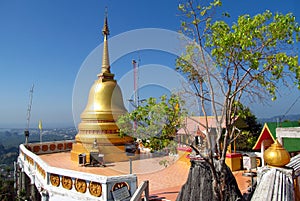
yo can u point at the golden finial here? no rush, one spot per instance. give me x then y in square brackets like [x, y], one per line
[276, 155]
[105, 56]
[105, 29]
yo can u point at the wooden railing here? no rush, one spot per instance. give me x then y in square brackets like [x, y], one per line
[143, 187]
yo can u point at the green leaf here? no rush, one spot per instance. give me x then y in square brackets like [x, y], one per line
[203, 12]
[217, 3]
[181, 7]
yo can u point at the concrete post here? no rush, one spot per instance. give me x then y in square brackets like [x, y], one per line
[262, 149]
[19, 187]
[23, 180]
[105, 192]
[32, 192]
[280, 140]
[32, 189]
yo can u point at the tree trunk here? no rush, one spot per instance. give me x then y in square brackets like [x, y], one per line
[199, 184]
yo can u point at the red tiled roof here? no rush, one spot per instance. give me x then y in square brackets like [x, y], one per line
[197, 122]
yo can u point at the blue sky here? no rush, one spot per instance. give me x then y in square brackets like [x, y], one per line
[46, 42]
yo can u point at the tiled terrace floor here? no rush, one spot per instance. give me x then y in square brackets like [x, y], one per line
[165, 183]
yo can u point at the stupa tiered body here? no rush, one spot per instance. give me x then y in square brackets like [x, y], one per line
[98, 132]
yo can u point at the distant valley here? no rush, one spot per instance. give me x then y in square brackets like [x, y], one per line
[12, 138]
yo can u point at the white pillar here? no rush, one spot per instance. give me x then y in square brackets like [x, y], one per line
[32, 188]
[262, 149]
[105, 192]
[23, 178]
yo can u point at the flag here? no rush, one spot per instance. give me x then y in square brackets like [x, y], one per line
[40, 125]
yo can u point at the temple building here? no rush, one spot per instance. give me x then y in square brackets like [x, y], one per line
[287, 133]
[279, 180]
[75, 170]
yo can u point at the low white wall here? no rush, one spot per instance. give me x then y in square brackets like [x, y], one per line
[39, 173]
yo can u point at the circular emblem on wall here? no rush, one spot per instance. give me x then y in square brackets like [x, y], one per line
[80, 185]
[67, 182]
[120, 185]
[45, 147]
[95, 189]
[52, 147]
[54, 180]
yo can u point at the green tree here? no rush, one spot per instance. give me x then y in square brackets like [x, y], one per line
[249, 134]
[6, 189]
[227, 63]
[155, 121]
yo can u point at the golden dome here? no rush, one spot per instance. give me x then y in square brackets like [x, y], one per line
[105, 99]
[276, 155]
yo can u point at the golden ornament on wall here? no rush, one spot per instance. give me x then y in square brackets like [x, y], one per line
[276, 155]
[80, 185]
[95, 189]
[54, 180]
[120, 185]
[40, 170]
[67, 182]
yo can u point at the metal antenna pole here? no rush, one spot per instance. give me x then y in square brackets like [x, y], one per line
[135, 82]
[26, 132]
[135, 89]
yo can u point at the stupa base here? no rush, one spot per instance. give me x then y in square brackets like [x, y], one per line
[111, 153]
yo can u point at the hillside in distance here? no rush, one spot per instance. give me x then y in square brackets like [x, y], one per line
[280, 118]
[12, 138]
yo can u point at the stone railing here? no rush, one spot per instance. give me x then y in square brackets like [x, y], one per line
[61, 184]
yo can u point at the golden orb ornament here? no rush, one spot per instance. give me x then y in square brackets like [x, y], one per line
[276, 155]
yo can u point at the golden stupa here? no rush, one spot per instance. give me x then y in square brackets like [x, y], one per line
[276, 155]
[98, 132]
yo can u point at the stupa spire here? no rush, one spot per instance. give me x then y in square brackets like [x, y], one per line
[105, 56]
